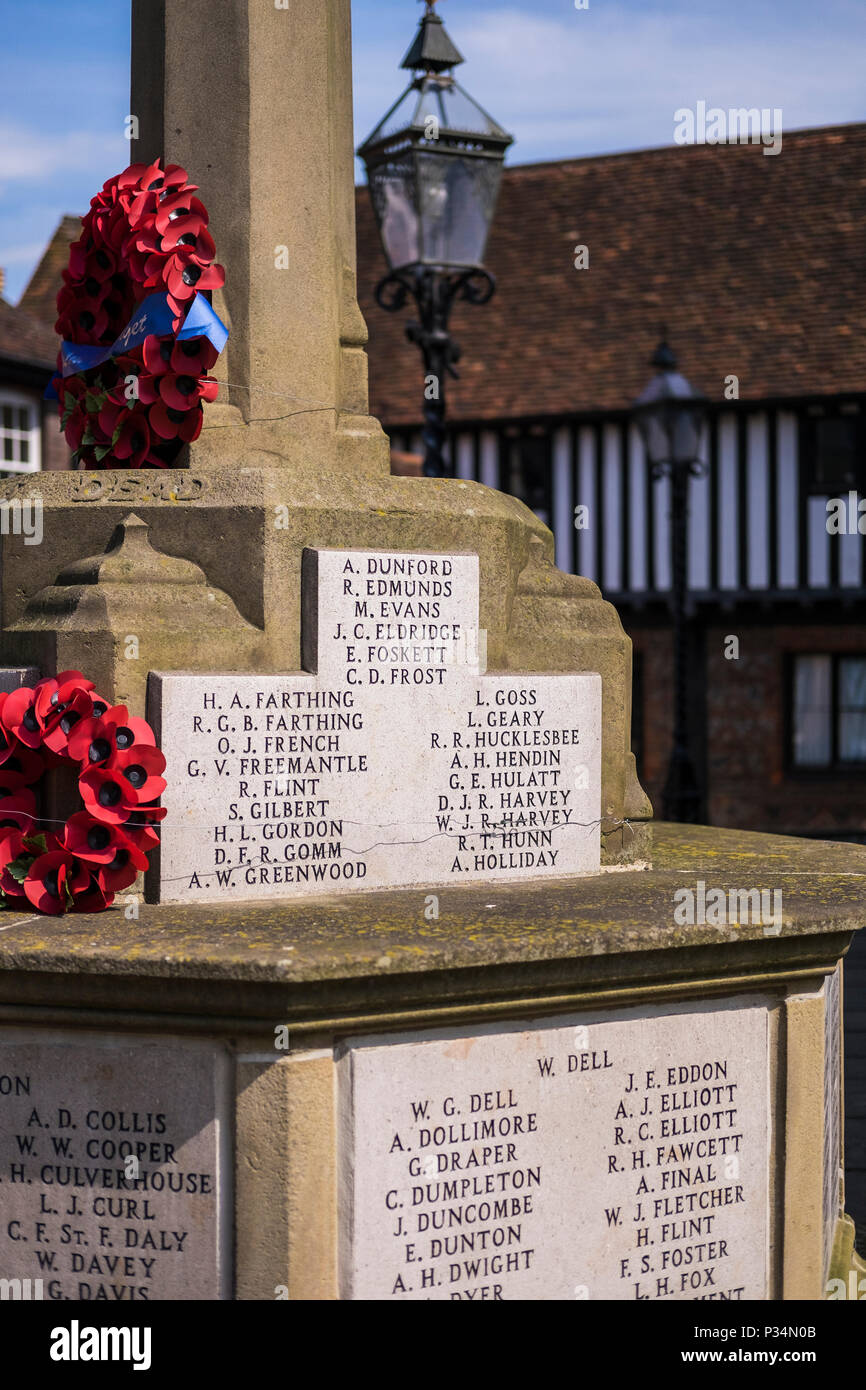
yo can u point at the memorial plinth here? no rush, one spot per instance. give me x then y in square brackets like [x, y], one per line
[529, 1090]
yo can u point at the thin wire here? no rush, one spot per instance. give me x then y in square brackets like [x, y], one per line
[497, 828]
[386, 844]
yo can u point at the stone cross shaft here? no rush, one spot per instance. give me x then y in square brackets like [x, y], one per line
[254, 99]
[393, 760]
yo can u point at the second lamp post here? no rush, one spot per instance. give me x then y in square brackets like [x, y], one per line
[670, 415]
[433, 169]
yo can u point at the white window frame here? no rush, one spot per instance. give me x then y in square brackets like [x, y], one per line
[33, 435]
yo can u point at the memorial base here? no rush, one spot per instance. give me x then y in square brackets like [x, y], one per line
[584, 1089]
[140, 573]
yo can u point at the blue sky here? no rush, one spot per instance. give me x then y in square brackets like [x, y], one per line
[563, 81]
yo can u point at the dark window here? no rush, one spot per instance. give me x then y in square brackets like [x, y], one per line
[833, 452]
[828, 711]
[19, 435]
[528, 473]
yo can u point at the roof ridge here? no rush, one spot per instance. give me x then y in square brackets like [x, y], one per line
[645, 150]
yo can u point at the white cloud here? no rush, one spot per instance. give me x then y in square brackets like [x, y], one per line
[33, 155]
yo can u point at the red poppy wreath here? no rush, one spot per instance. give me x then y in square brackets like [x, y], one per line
[63, 721]
[139, 337]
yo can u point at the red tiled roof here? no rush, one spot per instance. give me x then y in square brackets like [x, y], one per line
[24, 339]
[39, 298]
[756, 263]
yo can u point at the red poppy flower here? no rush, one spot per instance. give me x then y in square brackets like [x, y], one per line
[76, 426]
[67, 297]
[139, 827]
[93, 841]
[95, 289]
[178, 204]
[143, 241]
[141, 766]
[108, 226]
[108, 417]
[21, 768]
[113, 731]
[144, 837]
[63, 720]
[134, 441]
[18, 716]
[193, 356]
[135, 262]
[123, 869]
[100, 265]
[184, 278]
[74, 385]
[77, 259]
[53, 692]
[155, 186]
[8, 740]
[18, 811]
[157, 354]
[176, 177]
[12, 846]
[130, 178]
[93, 898]
[176, 424]
[181, 390]
[108, 795]
[148, 388]
[190, 236]
[50, 876]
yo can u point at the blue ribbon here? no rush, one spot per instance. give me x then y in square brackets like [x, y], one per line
[153, 316]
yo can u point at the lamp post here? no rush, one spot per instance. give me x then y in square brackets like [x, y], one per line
[670, 415]
[433, 165]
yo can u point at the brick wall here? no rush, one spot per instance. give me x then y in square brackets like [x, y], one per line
[55, 452]
[746, 702]
[744, 757]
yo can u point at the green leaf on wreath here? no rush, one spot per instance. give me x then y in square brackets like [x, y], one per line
[101, 450]
[92, 403]
[20, 867]
[89, 437]
[38, 841]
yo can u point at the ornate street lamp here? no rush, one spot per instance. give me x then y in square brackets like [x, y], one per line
[433, 167]
[670, 414]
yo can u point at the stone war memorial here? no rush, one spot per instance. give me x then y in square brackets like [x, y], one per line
[414, 1002]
